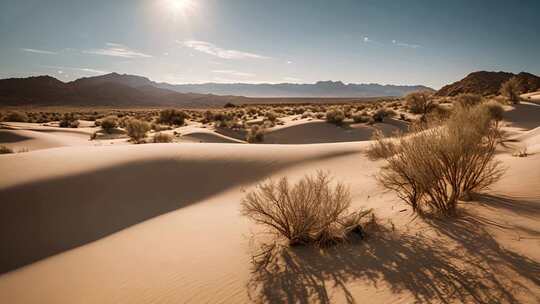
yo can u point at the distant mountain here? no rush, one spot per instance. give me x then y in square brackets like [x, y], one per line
[107, 90]
[319, 89]
[489, 83]
[130, 90]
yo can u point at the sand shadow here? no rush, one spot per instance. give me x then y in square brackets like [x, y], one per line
[465, 265]
[524, 115]
[7, 137]
[515, 205]
[49, 216]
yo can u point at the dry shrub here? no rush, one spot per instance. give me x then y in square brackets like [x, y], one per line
[312, 211]
[511, 89]
[255, 134]
[495, 109]
[360, 117]
[420, 102]
[382, 113]
[69, 120]
[435, 167]
[162, 138]
[109, 123]
[16, 116]
[137, 129]
[335, 116]
[172, 117]
[5, 150]
[468, 99]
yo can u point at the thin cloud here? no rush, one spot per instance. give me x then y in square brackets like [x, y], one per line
[36, 51]
[407, 45]
[86, 70]
[117, 50]
[214, 50]
[233, 73]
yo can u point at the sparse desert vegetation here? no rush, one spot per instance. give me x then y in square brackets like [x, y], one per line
[312, 211]
[5, 150]
[437, 166]
[137, 129]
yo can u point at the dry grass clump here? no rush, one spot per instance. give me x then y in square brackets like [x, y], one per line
[69, 120]
[162, 138]
[382, 113]
[335, 116]
[108, 124]
[5, 150]
[435, 167]
[137, 129]
[420, 102]
[468, 99]
[312, 211]
[511, 90]
[495, 110]
[16, 116]
[172, 117]
[255, 134]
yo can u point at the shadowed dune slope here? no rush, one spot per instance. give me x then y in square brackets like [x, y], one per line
[323, 132]
[76, 197]
[525, 115]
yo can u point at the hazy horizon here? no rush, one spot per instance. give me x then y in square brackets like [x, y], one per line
[428, 43]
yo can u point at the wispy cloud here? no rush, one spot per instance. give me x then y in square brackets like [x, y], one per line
[233, 73]
[407, 45]
[36, 51]
[214, 50]
[85, 70]
[117, 50]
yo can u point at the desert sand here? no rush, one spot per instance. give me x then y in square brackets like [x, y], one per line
[108, 222]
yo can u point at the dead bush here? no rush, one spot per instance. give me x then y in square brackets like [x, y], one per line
[16, 116]
[468, 99]
[360, 117]
[172, 117]
[137, 129]
[511, 90]
[109, 123]
[335, 116]
[162, 138]
[435, 167]
[255, 134]
[381, 114]
[312, 211]
[420, 103]
[69, 120]
[5, 150]
[495, 109]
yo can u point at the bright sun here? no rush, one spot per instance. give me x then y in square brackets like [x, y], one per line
[180, 6]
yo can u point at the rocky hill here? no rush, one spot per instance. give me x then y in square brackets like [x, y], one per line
[489, 83]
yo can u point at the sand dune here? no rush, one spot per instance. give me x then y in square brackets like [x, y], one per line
[323, 132]
[209, 137]
[160, 223]
[188, 237]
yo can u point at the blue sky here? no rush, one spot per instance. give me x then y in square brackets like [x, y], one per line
[192, 41]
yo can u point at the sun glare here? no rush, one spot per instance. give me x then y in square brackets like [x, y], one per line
[180, 6]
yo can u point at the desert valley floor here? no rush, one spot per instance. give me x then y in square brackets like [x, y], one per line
[110, 222]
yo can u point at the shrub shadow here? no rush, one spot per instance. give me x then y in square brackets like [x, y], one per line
[465, 265]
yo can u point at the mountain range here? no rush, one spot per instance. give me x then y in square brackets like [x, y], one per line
[130, 90]
[319, 89]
